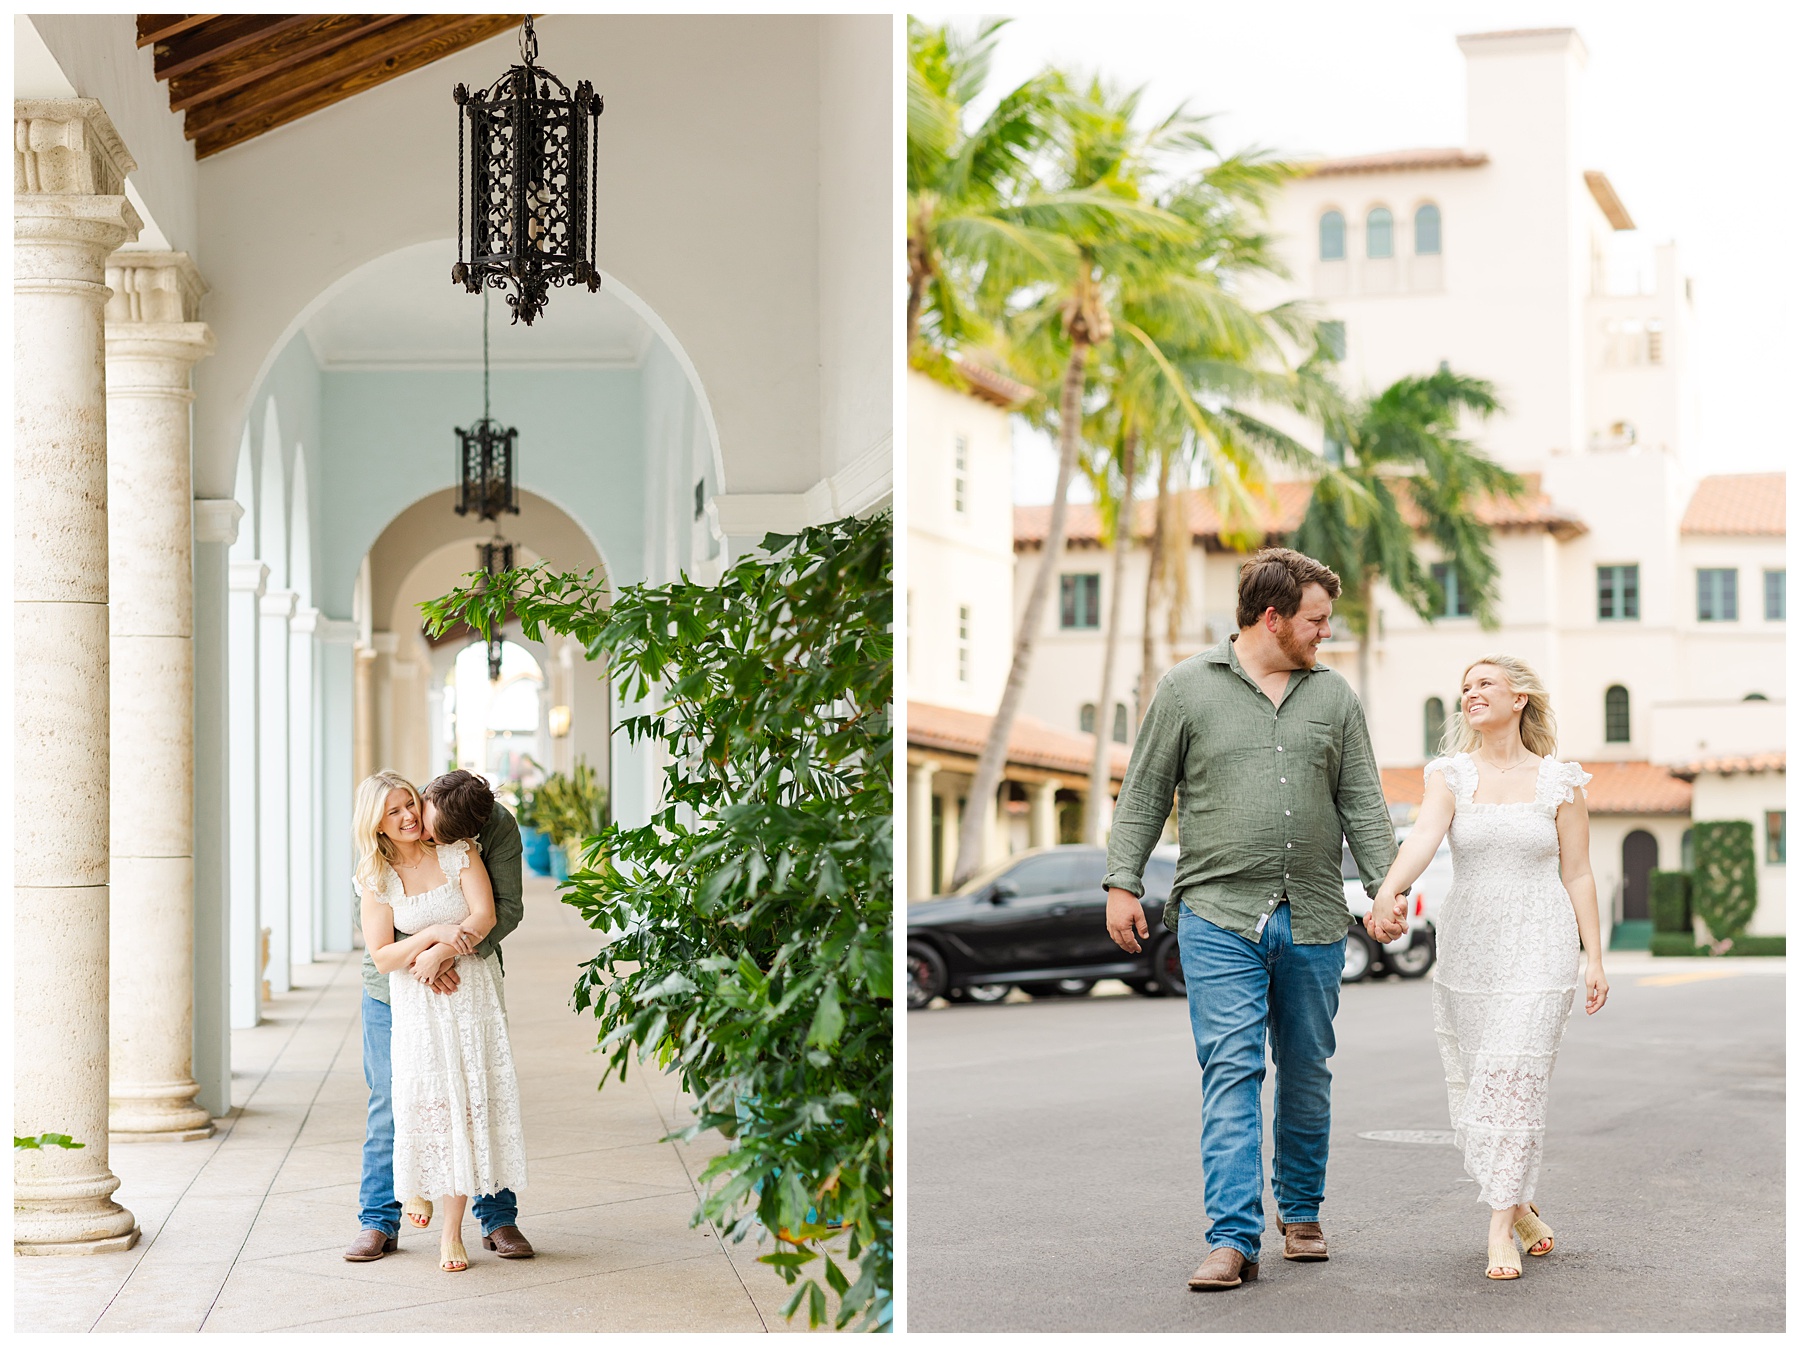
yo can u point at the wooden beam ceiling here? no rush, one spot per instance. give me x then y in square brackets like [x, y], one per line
[236, 76]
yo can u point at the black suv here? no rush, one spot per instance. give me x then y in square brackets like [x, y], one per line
[1037, 920]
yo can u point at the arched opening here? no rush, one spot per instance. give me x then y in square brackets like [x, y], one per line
[1618, 715]
[1378, 233]
[1428, 231]
[1638, 857]
[1331, 236]
[1434, 726]
[492, 726]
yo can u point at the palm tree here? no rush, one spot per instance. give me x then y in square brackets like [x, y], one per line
[1402, 446]
[959, 235]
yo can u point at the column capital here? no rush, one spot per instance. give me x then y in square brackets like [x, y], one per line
[336, 631]
[385, 642]
[278, 603]
[216, 521]
[305, 621]
[67, 147]
[249, 577]
[153, 286]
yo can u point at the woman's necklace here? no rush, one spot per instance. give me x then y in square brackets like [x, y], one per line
[1525, 762]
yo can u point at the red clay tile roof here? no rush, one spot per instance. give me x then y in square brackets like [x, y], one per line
[1392, 161]
[1033, 744]
[1754, 762]
[992, 386]
[1282, 515]
[1743, 503]
[1617, 788]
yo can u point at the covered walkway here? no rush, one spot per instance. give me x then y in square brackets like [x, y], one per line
[245, 1231]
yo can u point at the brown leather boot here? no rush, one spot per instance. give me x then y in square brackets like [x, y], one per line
[508, 1242]
[370, 1245]
[1223, 1269]
[1305, 1242]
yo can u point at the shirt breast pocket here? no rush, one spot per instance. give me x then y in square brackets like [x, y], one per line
[1321, 745]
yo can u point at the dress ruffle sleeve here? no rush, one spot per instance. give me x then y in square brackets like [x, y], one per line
[1572, 779]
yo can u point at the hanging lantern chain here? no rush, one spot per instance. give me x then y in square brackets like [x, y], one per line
[485, 404]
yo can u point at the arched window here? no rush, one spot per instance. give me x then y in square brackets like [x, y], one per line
[1428, 231]
[1434, 725]
[1618, 715]
[1755, 697]
[1331, 236]
[1380, 232]
[1120, 725]
[1087, 717]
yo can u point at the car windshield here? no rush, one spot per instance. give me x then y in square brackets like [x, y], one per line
[982, 878]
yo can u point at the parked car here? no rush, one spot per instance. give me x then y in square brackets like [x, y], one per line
[1037, 921]
[1413, 953]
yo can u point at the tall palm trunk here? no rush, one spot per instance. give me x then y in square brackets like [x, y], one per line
[993, 753]
[1153, 583]
[918, 269]
[1365, 658]
[1099, 777]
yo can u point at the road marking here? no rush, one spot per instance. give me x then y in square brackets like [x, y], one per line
[1412, 1138]
[1698, 975]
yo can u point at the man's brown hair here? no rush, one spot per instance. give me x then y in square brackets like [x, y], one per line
[463, 803]
[1273, 578]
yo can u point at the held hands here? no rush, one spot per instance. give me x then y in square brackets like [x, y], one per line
[1596, 986]
[1125, 920]
[1391, 927]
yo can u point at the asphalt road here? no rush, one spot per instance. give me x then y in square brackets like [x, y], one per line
[1054, 1184]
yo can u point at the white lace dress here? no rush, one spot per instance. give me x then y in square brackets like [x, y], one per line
[456, 1095]
[1507, 972]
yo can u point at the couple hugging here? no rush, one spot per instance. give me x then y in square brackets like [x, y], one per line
[1271, 756]
[441, 886]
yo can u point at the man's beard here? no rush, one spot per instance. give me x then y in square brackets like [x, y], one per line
[1303, 654]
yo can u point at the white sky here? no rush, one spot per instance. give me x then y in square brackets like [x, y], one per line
[1688, 110]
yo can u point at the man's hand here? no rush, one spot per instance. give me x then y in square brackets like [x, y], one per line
[446, 980]
[1125, 920]
[426, 965]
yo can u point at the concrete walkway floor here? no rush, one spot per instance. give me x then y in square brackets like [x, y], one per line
[245, 1231]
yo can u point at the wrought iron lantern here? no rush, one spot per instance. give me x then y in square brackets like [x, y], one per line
[528, 185]
[485, 454]
[496, 556]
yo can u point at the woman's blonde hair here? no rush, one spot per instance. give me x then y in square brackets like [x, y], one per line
[1537, 722]
[375, 853]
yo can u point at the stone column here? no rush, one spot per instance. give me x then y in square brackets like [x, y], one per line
[152, 344]
[275, 611]
[918, 831]
[387, 645]
[69, 214]
[952, 825]
[1043, 812]
[364, 729]
[337, 780]
[248, 580]
[215, 529]
[303, 939]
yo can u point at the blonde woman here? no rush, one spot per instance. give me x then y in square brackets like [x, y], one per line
[1519, 913]
[455, 1093]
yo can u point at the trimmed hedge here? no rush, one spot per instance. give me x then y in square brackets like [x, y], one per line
[1724, 876]
[1744, 946]
[1671, 893]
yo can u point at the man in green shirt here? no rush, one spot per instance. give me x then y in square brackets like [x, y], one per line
[1271, 757]
[457, 805]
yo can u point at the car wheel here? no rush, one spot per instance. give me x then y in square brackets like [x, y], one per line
[1359, 956]
[1165, 967]
[926, 976]
[1060, 987]
[1416, 959]
[987, 993]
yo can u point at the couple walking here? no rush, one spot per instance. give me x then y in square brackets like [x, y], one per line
[440, 882]
[1271, 757]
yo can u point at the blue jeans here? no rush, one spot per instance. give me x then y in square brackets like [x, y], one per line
[1238, 991]
[380, 1207]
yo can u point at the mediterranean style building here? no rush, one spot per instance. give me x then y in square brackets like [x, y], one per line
[216, 577]
[1649, 594]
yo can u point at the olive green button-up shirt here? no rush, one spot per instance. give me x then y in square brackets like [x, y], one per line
[502, 852]
[1267, 795]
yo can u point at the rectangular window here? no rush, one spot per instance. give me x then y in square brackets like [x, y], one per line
[962, 643]
[1775, 827]
[960, 481]
[1081, 602]
[1456, 603]
[1775, 596]
[1618, 593]
[1717, 595]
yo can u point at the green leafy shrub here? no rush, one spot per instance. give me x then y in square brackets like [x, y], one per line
[1744, 946]
[752, 919]
[1669, 898]
[1724, 886]
[570, 808]
[37, 1143]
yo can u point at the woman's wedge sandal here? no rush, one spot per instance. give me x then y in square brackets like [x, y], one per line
[417, 1212]
[453, 1257]
[1503, 1261]
[1532, 1232]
